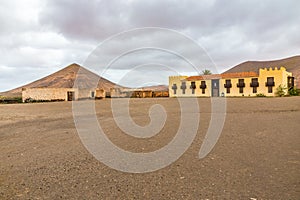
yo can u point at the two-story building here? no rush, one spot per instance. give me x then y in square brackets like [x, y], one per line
[231, 84]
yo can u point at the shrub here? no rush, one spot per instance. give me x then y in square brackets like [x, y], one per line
[293, 92]
[7, 100]
[280, 91]
[260, 95]
[31, 100]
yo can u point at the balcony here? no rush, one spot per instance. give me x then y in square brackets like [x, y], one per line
[193, 87]
[202, 86]
[227, 85]
[254, 84]
[270, 84]
[240, 85]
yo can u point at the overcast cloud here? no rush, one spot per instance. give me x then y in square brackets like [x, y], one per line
[39, 37]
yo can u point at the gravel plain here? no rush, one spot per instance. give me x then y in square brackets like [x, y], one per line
[256, 157]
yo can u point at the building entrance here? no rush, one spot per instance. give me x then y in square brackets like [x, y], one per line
[215, 87]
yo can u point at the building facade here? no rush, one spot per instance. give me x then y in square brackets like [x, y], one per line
[136, 93]
[72, 94]
[231, 84]
[60, 94]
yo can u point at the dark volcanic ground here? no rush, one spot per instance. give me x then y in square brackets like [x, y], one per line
[257, 155]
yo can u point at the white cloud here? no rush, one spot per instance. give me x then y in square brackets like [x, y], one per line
[38, 37]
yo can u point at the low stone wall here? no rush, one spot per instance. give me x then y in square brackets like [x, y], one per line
[48, 94]
[60, 94]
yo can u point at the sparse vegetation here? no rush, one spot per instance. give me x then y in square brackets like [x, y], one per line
[30, 100]
[261, 95]
[293, 92]
[281, 91]
[9, 100]
[206, 72]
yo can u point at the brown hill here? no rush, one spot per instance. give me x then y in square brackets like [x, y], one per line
[65, 78]
[292, 64]
[156, 88]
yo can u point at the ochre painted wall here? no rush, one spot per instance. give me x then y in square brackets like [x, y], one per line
[280, 78]
[234, 90]
[176, 80]
[188, 92]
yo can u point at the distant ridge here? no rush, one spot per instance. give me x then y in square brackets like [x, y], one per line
[156, 88]
[64, 78]
[292, 64]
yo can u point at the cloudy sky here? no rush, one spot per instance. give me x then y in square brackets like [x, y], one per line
[39, 37]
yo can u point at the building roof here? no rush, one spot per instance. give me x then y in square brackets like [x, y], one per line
[203, 77]
[219, 76]
[239, 75]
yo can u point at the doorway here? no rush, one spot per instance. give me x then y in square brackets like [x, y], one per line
[215, 87]
[71, 96]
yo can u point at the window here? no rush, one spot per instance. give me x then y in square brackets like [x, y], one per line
[241, 85]
[183, 87]
[193, 87]
[291, 82]
[270, 81]
[270, 89]
[174, 88]
[254, 84]
[203, 87]
[227, 90]
[228, 85]
[270, 84]
[93, 94]
[241, 90]
[71, 95]
[254, 89]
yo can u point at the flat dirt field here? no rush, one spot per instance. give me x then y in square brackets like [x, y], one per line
[256, 157]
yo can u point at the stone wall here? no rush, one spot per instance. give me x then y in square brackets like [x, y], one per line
[54, 94]
[48, 94]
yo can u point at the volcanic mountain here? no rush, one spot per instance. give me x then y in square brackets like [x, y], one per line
[292, 64]
[65, 78]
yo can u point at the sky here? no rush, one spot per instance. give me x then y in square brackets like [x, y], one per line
[113, 38]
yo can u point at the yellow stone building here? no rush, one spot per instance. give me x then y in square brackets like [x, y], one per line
[231, 84]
